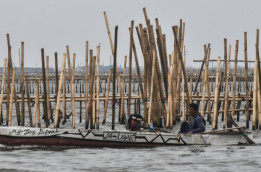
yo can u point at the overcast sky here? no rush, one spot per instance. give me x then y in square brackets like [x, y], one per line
[53, 24]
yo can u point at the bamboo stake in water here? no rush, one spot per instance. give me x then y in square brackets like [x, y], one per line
[45, 92]
[2, 90]
[254, 116]
[59, 93]
[64, 98]
[107, 97]
[72, 92]
[86, 84]
[122, 94]
[215, 116]
[204, 83]
[48, 89]
[98, 87]
[22, 84]
[28, 101]
[11, 98]
[9, 70]
[226, 119]
[130, 69]
[37, 103]
[234, 80]
[152, 85]
[246, 80]
[114, 76]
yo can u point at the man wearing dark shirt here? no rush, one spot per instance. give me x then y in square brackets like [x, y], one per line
[197, 123]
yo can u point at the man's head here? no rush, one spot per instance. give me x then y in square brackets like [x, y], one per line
[193, 109]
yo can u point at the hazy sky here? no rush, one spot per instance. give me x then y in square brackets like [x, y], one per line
[53, 24]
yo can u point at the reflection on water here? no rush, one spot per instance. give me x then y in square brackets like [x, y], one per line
[192, 158]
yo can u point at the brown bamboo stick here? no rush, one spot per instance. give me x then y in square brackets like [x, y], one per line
[258, 99]
[9, 70]
[11, 98]
[37, 103]
[234, 79]
[226, 119]
[107, 97]
[44, 86]
[246, 80]
[86, 84]
[2, 90]
[64, 98]
[48, 90]
[122, 94]
[22, 84]
[215, 115]
[204, 83]
[98, 88]
[72, 92]
[169, 100]
[59, 92]
[254, 116]
[152, 86]
[183, 91]
[28, 101]
[90, 102]
[130, 69]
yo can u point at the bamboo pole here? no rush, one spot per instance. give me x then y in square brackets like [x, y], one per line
[72, 92]
[98, 88]
[227, 120]
[183, 95]
[254, 116]
[59, 92]
[9, 70]
[114, 76]
[174, 96]
[22, 85]
[169, 121]
[92, 73]
[246, 80]
[28, 101]
[215, 115]
[86, 84]
[204, 83]
[48, 103]
[130, 69]
[122, 94]
[64, 98]
[11, 98]
[169, 107]
[234, 79]
[56, 73]
[45, 92]
[2, 91]
[152, 86]
[37, 103]
[258, 99]
[107, 97]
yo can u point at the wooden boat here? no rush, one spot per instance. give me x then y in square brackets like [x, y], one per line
[14, 136]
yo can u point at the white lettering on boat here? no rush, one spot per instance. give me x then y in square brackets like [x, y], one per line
[117, 136]
[29, 132]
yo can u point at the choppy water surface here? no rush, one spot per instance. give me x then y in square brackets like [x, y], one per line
[188, 158]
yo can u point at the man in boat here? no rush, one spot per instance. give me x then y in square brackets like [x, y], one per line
[135, 122]
[197, 123]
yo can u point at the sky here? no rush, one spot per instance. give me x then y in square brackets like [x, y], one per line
[53, 24]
